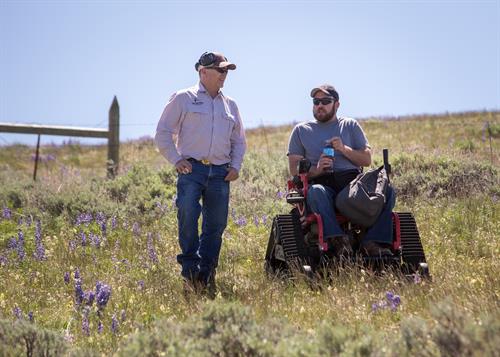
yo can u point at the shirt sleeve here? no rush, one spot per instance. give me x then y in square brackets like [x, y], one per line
[295, 146]
[359, 139]
[168, 126]
[238, 140]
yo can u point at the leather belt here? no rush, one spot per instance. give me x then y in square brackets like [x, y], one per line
[204, 161]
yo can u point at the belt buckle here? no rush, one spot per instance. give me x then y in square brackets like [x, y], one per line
[205, 162]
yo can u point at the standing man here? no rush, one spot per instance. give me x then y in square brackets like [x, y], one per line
[352, 152]
[207, 154]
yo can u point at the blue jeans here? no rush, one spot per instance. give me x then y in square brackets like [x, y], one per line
[200, 253]
[321, 199]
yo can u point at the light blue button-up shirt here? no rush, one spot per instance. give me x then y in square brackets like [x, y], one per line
[196, 125]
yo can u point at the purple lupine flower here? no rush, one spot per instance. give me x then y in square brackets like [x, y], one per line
[89, 297]
[85, 322]
[242, 221]
[395, 302]
[83, 238]
[29, 220]
[114, 222]
[103, 292]
[6, 213]
[103, 228]
[140, 283]
[101, 220]
[392, 301]
[79, 294]
[136, 229]
[280, 194]
[18, 313]
[100, 217]
[264, 219]
[87, 219]
[31, 317]
[114, 324]
[417, 279]
[20, 245]
[95, 240]
[83, 218]
[151, 249]
[20, 221]
[66, 277]
[12, 243]
[98, 286]
[256, 221]
[100, 327]
[39, 250]
[72, 245]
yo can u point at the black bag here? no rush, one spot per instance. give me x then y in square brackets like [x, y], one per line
[336, 180]
[363, 199]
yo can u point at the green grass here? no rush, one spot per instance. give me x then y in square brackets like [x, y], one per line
[444, 172]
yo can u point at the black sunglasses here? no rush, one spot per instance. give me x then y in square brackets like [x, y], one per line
[324, 101]
[219, 69]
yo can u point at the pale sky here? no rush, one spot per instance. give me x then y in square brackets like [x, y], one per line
[61, 62]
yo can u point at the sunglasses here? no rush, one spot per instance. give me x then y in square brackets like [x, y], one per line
[323, 101]
[218, 69]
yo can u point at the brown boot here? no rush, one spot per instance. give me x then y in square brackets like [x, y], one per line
[341, 245]
[192, 285]
[211, 287]
[375, 249]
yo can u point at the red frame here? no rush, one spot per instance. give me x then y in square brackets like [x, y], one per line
[396, 244]
[314, 217]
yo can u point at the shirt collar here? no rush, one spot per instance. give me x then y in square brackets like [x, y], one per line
[201, 89]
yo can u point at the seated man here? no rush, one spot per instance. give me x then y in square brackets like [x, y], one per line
[351, 153]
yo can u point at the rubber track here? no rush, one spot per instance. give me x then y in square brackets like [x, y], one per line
[291, 236]
[412, 250]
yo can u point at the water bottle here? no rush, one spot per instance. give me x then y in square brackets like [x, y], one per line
[330, 152]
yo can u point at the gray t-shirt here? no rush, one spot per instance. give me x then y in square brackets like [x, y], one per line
[308, 139]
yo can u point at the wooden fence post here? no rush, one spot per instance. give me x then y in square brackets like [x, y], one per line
[36, 157]
[113, 138]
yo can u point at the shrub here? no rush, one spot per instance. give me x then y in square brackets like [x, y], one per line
[439, 177]
[25, 338]
[453, 334]
[224, 329]
[466, 145]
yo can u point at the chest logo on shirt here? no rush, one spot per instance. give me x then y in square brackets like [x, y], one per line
[197, 102]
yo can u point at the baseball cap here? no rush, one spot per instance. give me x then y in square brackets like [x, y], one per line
[328, 89]
[213, 59]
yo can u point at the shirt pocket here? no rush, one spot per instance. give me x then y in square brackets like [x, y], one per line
[228, 123]
[196, 118]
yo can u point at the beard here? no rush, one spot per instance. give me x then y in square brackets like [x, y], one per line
[322, 115]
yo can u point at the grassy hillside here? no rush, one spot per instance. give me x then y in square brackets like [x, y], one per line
[123, 234]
